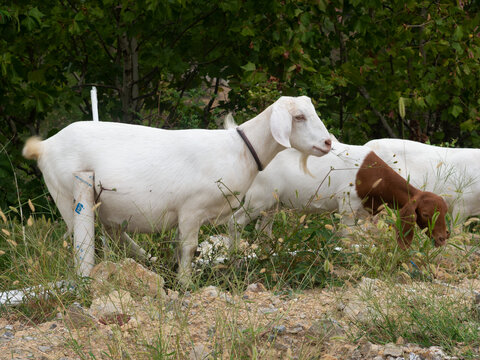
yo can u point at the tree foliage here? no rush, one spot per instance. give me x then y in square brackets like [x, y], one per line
[373, 68]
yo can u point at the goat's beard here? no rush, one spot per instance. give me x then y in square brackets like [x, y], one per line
[303, 164]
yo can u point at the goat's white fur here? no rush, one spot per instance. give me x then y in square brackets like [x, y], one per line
[154, 179]
[453, 173]
[330, 188]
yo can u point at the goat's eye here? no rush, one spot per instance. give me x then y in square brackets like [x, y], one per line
[300, 117]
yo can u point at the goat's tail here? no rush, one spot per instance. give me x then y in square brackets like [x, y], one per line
[33, 148]
[228, 122]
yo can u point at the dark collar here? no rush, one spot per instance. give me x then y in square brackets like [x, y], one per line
[250, 147]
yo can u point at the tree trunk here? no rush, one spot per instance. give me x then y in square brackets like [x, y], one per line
[129, 92]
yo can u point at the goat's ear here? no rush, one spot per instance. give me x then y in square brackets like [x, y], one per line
[281, 124]
[408, 218]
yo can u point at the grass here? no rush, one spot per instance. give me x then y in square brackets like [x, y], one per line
[428, 316]
[304, 253]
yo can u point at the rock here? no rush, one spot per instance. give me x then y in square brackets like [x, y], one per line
[211, 331]
[435, 353]
[45, 348]
[392, 350]
[280, 346]
[328, 357]
[256, 288]
[142, 281]
[118, 319]
[199, 352]
[295, 330]
[356, 310]
[8, 335]
[76, 316]
[477, 298]
[279, 329]
[212, 291]
[102, 276]
[413, 356]
[114, 304]
[267, 310]
[172, 295]
[324, 329]
[368, 349]
[128, 275]
[131, 324]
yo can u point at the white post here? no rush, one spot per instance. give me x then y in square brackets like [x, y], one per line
[83, 221]
[93, 96]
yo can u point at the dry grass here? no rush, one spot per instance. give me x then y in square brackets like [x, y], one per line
[307, 274]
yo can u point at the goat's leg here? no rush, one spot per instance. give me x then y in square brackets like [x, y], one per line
[237, 222]
[349, 215]
[64, 205]
[188, 227]
[265, 224]
[133, 249]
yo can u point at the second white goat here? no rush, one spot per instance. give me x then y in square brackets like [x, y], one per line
[351, 180]
[453, 173]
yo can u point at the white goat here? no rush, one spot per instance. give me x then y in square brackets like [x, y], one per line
[351, 180]
[166, 177]
[453, 173]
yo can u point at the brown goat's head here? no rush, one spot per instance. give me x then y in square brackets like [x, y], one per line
[421, 209]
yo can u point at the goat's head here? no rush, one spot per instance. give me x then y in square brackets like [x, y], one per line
[295, 123]
[428, 210]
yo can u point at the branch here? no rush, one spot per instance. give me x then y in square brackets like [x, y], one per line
[151, 93]
[384, 122]
[188, 78]
[199, 19]
[148, 77]
[206, 109]
[104, 45]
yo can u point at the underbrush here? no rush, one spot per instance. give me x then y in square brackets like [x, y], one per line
[304, 251]
[422, 314]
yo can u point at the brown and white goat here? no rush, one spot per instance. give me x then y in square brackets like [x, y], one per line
[351, 180]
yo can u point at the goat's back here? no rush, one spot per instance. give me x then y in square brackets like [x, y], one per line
[333, 178]
[145, 171]
[449, 172]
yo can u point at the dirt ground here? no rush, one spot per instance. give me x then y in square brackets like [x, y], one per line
[209, 324]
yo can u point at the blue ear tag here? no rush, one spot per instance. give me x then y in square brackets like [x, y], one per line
[79, 208]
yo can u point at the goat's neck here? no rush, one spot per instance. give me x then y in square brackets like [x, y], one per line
[258, 132]
[405, 194]
[392, 188]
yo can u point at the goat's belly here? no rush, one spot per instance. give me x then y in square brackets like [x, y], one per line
[320, 205]
[135, 218]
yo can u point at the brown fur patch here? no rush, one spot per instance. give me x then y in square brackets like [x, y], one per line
[377, 183]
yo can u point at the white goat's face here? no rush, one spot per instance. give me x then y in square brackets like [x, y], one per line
[295, 123]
